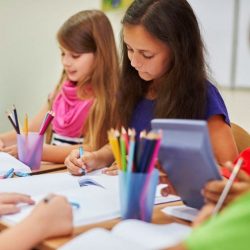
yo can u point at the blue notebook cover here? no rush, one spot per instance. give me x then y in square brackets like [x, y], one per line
[187, 157]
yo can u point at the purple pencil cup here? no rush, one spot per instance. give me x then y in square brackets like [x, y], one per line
[30, 148]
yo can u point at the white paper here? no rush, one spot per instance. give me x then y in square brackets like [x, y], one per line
[96, 205]
[132, 235]
[39, 184]
[182, 212]
[7, 161]
[97, 202]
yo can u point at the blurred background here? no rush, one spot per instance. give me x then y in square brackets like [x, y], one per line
[30, 59]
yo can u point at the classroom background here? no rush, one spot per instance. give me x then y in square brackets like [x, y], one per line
[30, 64]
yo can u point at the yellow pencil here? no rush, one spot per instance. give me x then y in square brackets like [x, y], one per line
[113, 141]
[25, 125]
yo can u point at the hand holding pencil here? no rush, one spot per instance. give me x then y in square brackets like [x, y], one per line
[213, 189]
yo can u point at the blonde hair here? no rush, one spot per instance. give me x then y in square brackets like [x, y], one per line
[85, 32]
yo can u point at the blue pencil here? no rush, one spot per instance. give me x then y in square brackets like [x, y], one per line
[81, 152]
[75, 204]
[9, 173]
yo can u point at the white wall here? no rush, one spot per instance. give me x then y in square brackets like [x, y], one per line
[29, 56]
[243, 52]
[216, 24]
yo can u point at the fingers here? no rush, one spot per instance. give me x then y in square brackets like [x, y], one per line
[165, 191]
[213, 190]
[107, 171]
[215, 186]
[74, 163]
[8, 209]
[241, 176]
[14, 198]
[112, 170]
[8, 202]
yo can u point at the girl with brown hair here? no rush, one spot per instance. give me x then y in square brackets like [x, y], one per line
[83, 100]
[164, 75]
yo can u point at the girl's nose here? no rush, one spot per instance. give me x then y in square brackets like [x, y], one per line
[136, 61]
[66, 60]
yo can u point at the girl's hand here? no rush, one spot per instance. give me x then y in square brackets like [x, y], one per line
[163, 179]
[74, 163]
[213, 189]
[112, 170]
[12, 150]
[9, 201]
[87, 163]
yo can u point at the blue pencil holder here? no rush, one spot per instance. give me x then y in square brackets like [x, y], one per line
[137, 194]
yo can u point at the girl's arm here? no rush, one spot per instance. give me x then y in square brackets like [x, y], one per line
[49, 219]
[9, 138]
[57, 154]
[222, 140]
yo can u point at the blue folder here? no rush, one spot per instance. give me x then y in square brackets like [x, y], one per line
[187, 157]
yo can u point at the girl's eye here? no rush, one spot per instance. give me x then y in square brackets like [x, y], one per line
[148, 57]
[129, 49]
[75, 56]
[62, 54]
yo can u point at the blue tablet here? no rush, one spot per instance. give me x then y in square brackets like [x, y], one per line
[187, 157]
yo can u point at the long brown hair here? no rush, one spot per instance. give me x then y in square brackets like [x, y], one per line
[85, 32]
[182, 90]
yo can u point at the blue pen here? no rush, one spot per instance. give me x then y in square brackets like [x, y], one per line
[9, 173]
[75, 204]
[21, 174]
[81, 152]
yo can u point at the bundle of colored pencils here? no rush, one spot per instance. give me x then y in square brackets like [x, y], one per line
[135, 155]
[14, 121]
[46, 122]
[13, 118]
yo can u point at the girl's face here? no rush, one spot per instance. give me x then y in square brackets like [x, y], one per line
[147, 54]
[78, 67]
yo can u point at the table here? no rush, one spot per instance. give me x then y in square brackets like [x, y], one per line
[47, 167]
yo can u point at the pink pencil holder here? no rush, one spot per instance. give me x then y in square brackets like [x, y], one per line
[30, 148]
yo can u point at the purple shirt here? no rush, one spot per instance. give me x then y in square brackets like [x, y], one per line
[144, 111]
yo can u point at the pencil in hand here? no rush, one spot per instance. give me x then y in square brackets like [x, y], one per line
[227, 186]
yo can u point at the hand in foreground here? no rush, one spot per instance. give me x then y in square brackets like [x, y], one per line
[53, 216]
[204, 214]
[9, 202]
[213, 189]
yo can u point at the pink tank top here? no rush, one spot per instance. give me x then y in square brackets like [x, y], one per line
[70, 112]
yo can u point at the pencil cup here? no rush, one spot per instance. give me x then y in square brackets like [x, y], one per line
[137, 194]
[30, 148]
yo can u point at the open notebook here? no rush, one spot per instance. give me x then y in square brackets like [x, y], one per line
[98, 195]
[130, 234]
